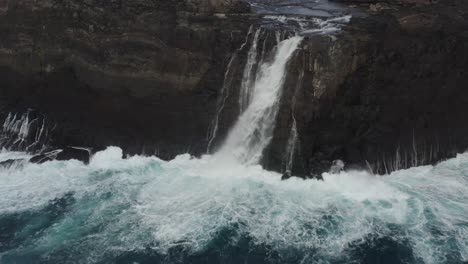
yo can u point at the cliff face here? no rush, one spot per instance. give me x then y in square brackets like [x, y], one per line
[386, 93]
[139, 74]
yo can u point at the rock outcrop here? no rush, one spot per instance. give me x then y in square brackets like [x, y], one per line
[389, 93]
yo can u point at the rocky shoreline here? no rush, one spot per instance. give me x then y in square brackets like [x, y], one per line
[385, 94]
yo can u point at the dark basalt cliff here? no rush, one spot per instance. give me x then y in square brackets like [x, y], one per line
[388, 92]
[143, 74]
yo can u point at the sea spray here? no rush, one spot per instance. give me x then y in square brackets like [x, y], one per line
[26, 132]
[126, 210]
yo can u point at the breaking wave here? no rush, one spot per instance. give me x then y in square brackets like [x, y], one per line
[145, 210]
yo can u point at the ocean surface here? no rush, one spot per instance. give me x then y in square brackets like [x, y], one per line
[212, 210]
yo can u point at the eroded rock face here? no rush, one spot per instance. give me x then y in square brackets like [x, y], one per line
[4, 6]
[143, 74]
[389, 93]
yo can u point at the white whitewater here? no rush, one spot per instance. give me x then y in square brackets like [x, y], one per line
[124, 205]
[221, 103]
[254, 128]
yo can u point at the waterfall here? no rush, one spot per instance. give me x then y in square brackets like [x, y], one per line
[23, 132]
[249, 75]
[260, 91]
[254, 128]
[292, 144]
[228, 78]
[291, 148]
[224, 96]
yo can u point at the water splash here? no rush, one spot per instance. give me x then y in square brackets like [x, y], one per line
[21, 132]
[189, 208]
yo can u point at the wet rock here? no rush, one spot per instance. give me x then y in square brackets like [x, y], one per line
[286, 175]
[387, 94]
[45, 157]
[67, 153]
[11, 162]
[76, 153]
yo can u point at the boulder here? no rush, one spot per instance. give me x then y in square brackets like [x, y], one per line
[76, 153]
